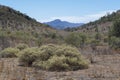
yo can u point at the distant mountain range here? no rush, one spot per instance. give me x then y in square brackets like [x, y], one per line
[58, 24]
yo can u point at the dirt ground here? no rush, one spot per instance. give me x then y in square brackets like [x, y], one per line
[103, 67]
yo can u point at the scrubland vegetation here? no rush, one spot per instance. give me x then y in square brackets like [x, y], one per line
[48, 57]
[34, 51]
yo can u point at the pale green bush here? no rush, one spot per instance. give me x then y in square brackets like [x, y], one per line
[58, 63]
[46, 51]
[67, 51]
[9, 53]
[55, 63]
[28, 56]
[54, 58]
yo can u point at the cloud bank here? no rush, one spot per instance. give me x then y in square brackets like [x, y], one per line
[79, 19]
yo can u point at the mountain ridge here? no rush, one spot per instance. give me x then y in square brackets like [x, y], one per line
[58, 24]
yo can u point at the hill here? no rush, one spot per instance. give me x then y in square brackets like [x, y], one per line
[16, 27]
[58, 24]
[103, 24]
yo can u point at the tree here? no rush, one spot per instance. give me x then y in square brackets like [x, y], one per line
[114, 35]
[76, 39]
[116, 29]
[97, 36]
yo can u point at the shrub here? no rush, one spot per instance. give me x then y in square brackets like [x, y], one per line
[115, 42]
[9, 53]
[76, 39]
[95, 42]
[116, 29]
[77, 63]
[21, 46]
[46, 51]
[54, 58]
[28, 56]
[114, 35]
[67, 51]
[58, 63]
[55, 63]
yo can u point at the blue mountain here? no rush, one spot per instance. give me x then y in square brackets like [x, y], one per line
[58, 24]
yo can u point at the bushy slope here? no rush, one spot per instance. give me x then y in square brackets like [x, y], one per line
[15, 19]
[104, 23]
[16, 27]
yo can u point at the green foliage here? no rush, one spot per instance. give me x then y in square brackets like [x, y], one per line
[46, 51]
[94, 43]
[98, 36]
[4, 32]
[115, 42]
[116, 29]
[67, 51]
[50, 34]
[58, 63]
[22, 35]
[53, 57]
[28, 56]
[76, 39]
[54, 63]
[114, 35]
[22, 46]
[9, 53]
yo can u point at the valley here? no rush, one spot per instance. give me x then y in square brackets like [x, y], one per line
[58, 50]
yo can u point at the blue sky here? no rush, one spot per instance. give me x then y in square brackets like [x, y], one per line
[66, 10]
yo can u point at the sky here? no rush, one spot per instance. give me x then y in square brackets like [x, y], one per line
[76, 11]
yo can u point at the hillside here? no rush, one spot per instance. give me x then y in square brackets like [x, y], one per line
[16, 27]
[58, 24]
[103, 24]
[15, 19]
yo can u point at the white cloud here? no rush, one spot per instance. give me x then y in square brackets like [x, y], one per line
[80, 19]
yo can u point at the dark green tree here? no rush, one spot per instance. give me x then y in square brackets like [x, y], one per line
[76, 39]
[116, 29]
[114, 35]
[97, 36]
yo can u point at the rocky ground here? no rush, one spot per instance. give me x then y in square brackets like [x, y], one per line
[103, 67]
